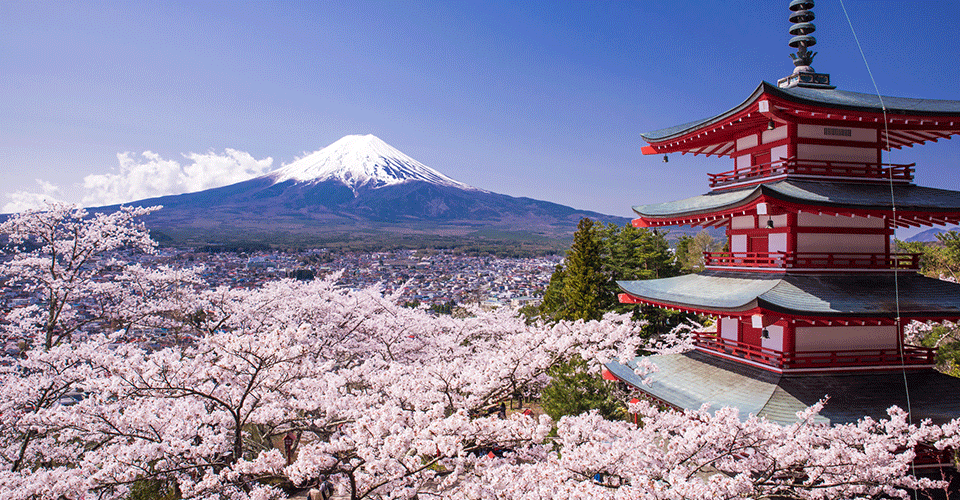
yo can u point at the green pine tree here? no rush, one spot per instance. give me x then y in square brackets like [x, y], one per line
[552, 301]
[586, 287]
[585, 293]
[574, 391]
[636, 254]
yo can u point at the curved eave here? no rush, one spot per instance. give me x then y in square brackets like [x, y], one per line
[698, 210]
[692, 379]
[796, 296]
[707, 292]
[677, 131]
[909, 121]
[916, 205]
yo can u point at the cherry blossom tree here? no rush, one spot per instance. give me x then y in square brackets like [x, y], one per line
[64, 258]
[387, 402]
[60, 253]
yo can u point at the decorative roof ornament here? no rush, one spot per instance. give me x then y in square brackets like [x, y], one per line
[801, 30]
[801, 14]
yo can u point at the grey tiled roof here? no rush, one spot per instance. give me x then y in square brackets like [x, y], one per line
[864, 196]
[707, 290]
[829, 98]
[867, 295]
[842, 99]
[692, 379]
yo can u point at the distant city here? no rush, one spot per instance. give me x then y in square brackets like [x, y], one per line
[437, 278]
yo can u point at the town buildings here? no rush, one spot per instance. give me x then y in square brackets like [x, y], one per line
[425, 277]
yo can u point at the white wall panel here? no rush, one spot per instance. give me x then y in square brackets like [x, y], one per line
[841, 243]
[738, 243]
[777, 242]
[837, 133]
[728, 328]
[815, 220]
[838, 338]
[742, 222]
[747, 142]
[775, 341]
[778, 153]
[836, 153]
[774, 135]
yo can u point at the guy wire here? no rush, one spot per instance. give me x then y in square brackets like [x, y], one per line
[893, 205]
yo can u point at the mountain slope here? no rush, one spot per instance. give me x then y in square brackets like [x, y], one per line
[362, 161]
[359, 188]
[930, 235]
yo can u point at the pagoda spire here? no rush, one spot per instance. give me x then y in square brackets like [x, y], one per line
[801, 13]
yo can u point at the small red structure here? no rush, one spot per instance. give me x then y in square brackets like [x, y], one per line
[810, 299]
[288, 442]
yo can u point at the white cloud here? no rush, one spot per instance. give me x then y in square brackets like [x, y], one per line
[149, 175]
[211, 170]
[22, 200]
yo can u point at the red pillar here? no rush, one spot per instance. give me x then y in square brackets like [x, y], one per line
[789, 340]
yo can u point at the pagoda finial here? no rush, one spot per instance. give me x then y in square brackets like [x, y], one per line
[801, 14]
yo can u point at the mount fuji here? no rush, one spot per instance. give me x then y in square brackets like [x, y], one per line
[362, 162]
[357, 192]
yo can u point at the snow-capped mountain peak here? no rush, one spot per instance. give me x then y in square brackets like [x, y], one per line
[362, 161]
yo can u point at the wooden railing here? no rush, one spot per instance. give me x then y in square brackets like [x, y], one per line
[819, 168]
[813, 260]
[912, 355]
[745, 351]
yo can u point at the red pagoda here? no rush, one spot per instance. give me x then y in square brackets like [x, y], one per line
[810, 300]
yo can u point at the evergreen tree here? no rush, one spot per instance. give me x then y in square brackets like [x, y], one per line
[574, 390]
[585, 292]
[636, 254]
[586, 287]
[553, 296]
[682, 253]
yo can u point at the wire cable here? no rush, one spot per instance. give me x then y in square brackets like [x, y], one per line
[893, 206]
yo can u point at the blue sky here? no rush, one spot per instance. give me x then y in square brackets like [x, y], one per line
[106, 100]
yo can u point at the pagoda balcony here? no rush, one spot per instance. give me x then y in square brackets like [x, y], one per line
[913, 356]
[766, 261]
[820, 169]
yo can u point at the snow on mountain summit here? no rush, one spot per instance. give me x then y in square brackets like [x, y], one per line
[362, 161]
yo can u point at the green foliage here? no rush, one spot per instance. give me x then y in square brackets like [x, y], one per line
[936, 259]
[302, 274]
[950, 259]
[940, 259]
[632, 253]
[574, 391]
[503, 244]
[154, 489]
[682, 252]
[553, 296]
[586, 287]
[445, 308]
[585, 293]
[690, 250]
[947, 342]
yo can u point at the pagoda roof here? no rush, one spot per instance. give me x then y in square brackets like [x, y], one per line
[692, 379]
[909, 120]
[916, 205]
[824, 295]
